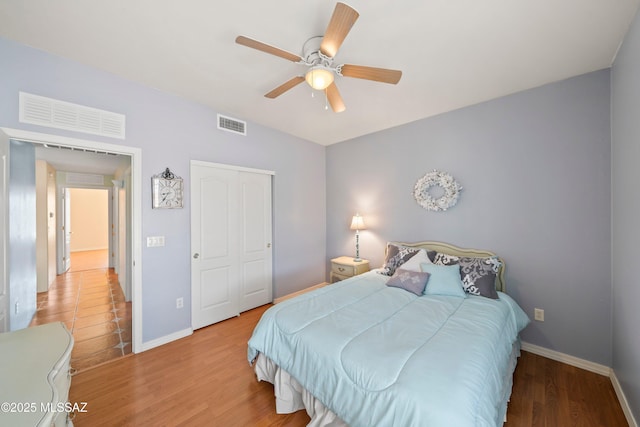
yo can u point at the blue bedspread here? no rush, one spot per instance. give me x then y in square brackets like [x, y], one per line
[381, 356]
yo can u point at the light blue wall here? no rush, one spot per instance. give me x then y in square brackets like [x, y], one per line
[625, 158]
[22, 234]
[535, 167]
[171, 131]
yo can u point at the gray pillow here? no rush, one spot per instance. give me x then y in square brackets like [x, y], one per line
[478, 274]
[396, 256]
[412, 281]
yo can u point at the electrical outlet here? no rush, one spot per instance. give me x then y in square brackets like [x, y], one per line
[179, 302]
[17, 307]
[538, 314]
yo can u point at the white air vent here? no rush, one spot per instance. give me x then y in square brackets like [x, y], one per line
[49, 112]
[232, 125]
[84, 178]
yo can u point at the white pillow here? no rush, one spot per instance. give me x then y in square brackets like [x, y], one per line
[413, 263]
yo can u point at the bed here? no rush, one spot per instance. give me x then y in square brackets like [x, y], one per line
[375, 350]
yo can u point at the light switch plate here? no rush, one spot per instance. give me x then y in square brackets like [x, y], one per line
[155, 241]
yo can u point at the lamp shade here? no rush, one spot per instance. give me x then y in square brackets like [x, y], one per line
[357, 223]
[319, 77]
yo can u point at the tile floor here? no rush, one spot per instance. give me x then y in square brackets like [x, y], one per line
[89, 300]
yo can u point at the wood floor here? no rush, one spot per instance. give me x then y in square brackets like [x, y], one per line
[205, 380]
[89, 260]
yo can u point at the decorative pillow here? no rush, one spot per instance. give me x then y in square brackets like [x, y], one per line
[412, 281]
[396, 256]
[478, 274]
[443, 259]
[414, 262]
[444, 280]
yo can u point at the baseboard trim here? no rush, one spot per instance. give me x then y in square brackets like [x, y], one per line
[166, 339]
[565, 358]
[295, 294]
[90, 249]
[589, 366]
[623, 400]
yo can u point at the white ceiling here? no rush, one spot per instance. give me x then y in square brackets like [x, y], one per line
[453, 53]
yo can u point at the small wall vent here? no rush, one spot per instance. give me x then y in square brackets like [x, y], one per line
[84, 178]
[232, 125]
[39, 110]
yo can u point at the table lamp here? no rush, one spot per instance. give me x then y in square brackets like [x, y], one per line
[357, 223]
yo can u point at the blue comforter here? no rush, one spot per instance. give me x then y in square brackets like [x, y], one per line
[381, 356]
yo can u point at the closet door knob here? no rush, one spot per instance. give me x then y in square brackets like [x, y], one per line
[196, 255]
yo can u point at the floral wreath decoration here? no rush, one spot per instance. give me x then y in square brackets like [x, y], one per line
[437, 179]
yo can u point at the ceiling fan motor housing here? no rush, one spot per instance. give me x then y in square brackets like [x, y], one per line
[311, 53]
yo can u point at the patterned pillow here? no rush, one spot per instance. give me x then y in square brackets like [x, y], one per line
[412, 281]
[396, 256]
[478, 274]
[422, 256]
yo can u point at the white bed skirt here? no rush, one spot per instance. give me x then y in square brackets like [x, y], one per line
[292, 397]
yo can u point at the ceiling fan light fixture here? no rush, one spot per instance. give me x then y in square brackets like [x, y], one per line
[319, 77]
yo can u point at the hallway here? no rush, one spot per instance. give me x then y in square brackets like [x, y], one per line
[89, 300]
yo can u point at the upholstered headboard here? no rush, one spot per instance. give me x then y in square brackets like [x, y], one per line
[454, 250]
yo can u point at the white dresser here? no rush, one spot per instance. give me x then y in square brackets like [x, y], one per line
[35, 376]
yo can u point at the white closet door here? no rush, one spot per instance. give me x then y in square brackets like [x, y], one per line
[255, 240]
[231, 264]
[214, 247]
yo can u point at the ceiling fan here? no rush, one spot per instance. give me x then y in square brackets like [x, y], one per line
[318, 54]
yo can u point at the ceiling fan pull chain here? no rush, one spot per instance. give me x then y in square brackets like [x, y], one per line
[312, 94]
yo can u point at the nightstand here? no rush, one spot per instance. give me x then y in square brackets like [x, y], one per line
[344, 267]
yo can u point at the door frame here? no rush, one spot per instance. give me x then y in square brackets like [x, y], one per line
[63, 212]
[61, 220]
[4, 206]
[136, 209]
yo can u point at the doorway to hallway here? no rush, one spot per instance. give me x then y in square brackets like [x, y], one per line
[129, 183]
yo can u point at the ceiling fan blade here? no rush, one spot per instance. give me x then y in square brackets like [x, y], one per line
[285, 87]
[339, 26]
[383, 75]
[335, 100]
[255, 44]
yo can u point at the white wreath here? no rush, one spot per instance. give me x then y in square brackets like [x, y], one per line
[437, 179]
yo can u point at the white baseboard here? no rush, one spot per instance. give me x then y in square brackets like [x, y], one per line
[623, 400]
[565, 358]
[295, 294]
[166, 339]
[589, 366]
